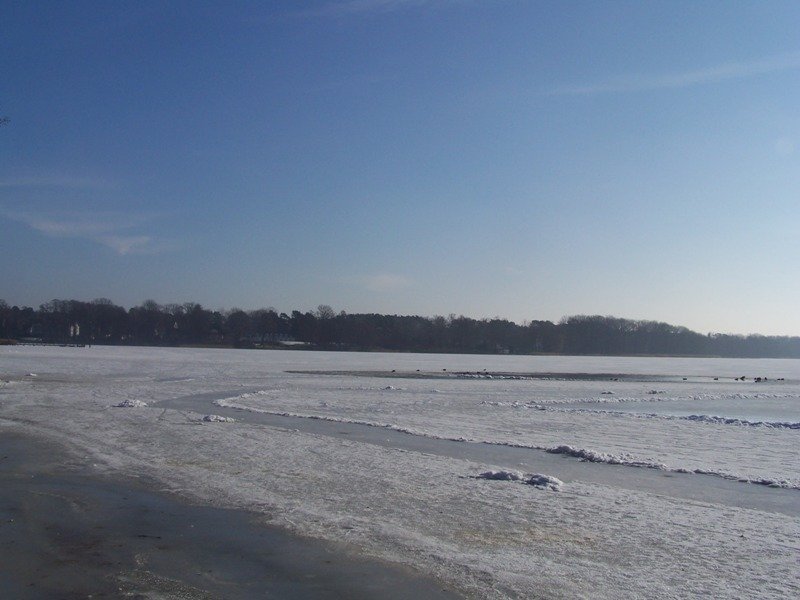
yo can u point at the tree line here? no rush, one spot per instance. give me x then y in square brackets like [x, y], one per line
[103, 322]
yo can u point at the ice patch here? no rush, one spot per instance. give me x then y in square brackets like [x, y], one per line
[218, 419]
[131, 404]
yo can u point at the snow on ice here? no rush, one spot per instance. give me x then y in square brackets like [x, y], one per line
[131, 404]
[592, 540]
[218, 419]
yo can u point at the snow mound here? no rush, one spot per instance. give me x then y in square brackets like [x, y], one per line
[602, 457]
[545, 482]
[131, 404]
[501, 475]
[218, 419]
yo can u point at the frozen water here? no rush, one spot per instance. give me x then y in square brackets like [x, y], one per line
[545, 414]
[488, 539]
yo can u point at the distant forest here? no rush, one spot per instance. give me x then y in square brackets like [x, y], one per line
[189, 324]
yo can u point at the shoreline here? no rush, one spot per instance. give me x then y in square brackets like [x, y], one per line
[310, 347]
[67, 533]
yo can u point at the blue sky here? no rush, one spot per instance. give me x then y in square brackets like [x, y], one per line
[527, 160]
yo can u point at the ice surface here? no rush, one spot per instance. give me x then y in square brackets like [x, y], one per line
[488, 539]
[541, 414]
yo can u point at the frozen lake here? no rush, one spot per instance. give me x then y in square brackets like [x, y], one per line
[765, 407]
[676, 480]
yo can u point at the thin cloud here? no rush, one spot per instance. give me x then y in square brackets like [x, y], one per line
[105, 229]
[66, 228]
[643, 83]
[386, 282]
[130, 244]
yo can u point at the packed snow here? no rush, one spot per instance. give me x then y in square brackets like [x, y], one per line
[501, 475]
[535, 479]
[128, 403]
[503, 536]
[545, 482]
[218, 419]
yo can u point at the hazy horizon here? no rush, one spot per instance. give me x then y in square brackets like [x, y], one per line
[516, 159]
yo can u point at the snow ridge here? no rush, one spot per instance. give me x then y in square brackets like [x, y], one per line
[740, 422]
[715, 419]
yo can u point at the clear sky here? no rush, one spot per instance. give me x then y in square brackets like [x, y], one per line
[510, 158]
